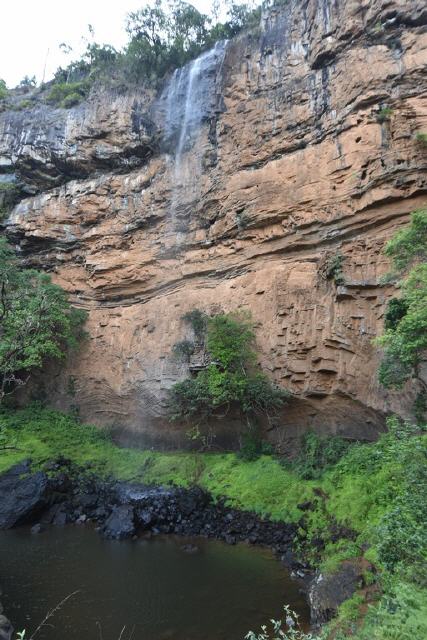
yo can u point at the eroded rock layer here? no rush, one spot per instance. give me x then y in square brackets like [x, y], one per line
[301, 148]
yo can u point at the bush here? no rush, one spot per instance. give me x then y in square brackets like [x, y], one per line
[229, 379]
[198, 321]
[36, 321]
[318, 453]
[421, 137]
[253, 446]
[162, 36]
[3, 90]
[183, 350]
[384, 114]
[333, 269]
[405, 337]
[68, 94]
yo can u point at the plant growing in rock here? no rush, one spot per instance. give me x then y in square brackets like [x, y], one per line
[421, 137]
[229, 380]
[36, 321]
[183, 350]
[384, 114]
[332, 270]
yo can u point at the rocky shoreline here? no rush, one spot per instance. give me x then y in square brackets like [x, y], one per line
[62, 494]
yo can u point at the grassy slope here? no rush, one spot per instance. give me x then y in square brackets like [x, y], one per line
[374, 489]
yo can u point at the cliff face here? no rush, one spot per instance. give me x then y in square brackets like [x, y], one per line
[235, 188]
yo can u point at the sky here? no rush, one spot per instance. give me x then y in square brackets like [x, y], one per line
[32, 30]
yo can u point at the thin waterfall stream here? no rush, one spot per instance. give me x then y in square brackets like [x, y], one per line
[188, 100]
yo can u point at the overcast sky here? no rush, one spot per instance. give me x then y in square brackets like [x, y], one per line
[31, 31]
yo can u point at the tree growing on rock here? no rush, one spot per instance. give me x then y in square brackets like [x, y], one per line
[230, 379]
[405, 337]
[36, 321]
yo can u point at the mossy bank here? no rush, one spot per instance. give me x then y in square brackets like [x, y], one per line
[364, 501]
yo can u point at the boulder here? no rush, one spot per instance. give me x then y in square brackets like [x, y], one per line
[23, 495]
[328, 591]
[6, 629]
[120, 524]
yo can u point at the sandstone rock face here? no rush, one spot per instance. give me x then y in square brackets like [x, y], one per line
[303, 150]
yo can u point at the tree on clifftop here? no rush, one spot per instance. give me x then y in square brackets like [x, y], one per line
[36, 321]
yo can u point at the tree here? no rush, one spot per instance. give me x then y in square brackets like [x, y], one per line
[3, 90]
[230, 379]
[405, 337]
[36, 321]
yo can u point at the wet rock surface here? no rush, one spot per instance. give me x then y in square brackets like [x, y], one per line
[23, 495]
[327, 592]
[309, 153]
[121, 510]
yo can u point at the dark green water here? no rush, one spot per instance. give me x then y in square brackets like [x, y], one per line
[152, 587]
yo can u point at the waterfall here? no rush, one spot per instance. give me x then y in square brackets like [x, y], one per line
[189, 98]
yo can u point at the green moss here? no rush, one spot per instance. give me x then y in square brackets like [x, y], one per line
[375, 493]
[421, 137]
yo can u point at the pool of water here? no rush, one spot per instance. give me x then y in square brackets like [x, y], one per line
[141, 590]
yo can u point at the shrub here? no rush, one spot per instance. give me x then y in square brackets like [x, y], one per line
[198, 321]
[183, 350]
[317, 453]
[253, 446]
[405, 337]
[286, 629]
[68, 94]
[3, 90]
[36, 321]
[229, 379]
[421, 137]
[396, 309]
[333, 269]
[384, 114]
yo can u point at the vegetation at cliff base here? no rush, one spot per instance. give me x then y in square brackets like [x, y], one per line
[365, 501]
[36, 321]
[229, 378]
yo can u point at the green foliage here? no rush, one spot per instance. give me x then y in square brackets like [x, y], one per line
[375, 489]
[28, 82]
[198, 321]
[404, 345]
[420, 408]
[9, 195]
[162, 36]
[396, 309]
[3, 90]
[410, 244]
[253, 446]
[68, 94]
[400, 615]
[333, 269]
[318, 453]
[421, 137]
[183, 350]
[36, 321]
[384, 114]
[286, 629]
[405, 336]
[229, 379]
